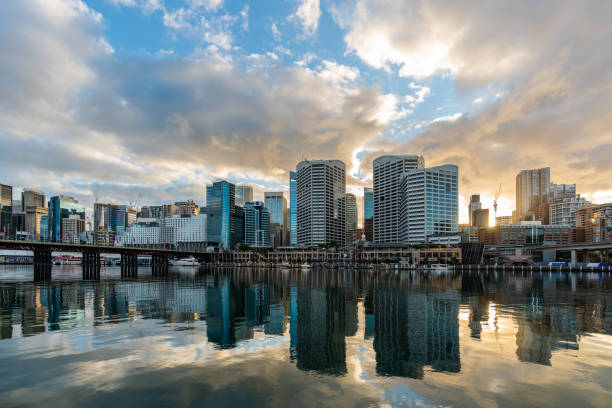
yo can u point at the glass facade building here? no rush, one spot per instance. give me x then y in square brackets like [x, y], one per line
[60, 208]
[368, 203]
[256, 224]
[220, 209]
[276, 203]
[292, 208]
[429, 203]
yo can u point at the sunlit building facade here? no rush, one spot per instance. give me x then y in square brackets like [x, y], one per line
[321, 189]
[387, 194]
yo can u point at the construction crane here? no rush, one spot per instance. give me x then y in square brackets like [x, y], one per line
[497, 193]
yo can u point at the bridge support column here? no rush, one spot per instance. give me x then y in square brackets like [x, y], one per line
[42, 272]
[159, 265]
[129, 259]
[574, 259]
[129, 265]
[91, 258]
[42, 256]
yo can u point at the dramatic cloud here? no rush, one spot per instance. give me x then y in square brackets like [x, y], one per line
[549, 61]
[110, 127]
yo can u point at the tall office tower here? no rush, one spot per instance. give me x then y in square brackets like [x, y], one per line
[6, 209]
[351, 212]
[256, 224]
[480, 218]
[532, 187]
[244, 194]
[60, 208]
[292, 208]
[276, 203]
[101, 216]
[429, 203]
[321, 189]
[33, 216]
[368, 213]
[122, 217]
[559, 191]
[387, 172]
[221, 210]
[32, 198]
[474, 205]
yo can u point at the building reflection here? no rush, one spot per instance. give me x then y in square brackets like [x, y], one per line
[412, 320]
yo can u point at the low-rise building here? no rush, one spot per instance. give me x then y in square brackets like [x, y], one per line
[72, 228]
[525, 233]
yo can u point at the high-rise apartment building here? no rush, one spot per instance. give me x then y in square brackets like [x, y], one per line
[221, 211]
[256, 224]
[563, 210]
[387, 194]
[321, 189]
[60, 208]
[532, 189]
[276, 203]
[429, 203]
[292, 208]
[151, 211]
[244, 194]
[474, 205]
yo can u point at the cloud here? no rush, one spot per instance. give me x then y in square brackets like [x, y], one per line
[337, 73]
[93, 123]
[547, 63]
[420, 94]
[244, 14]
[448, 118]
[308, 14]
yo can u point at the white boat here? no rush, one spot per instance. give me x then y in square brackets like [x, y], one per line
[439, 268]
[306, 266]
[189, 261]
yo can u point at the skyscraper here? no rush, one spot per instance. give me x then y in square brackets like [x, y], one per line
[60, 208]
[429, 203]
[474, 205]
[244, 194]
[292, 208]
[256, 224]
[112, 217]
[321, 189]
[351, 212]
[532, 188]
[220, 210]
[276, 203]
[32, 198]
[368, 213]
[480, 218]
[6, 209]
[387, 172]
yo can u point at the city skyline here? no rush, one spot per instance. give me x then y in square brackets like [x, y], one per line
[117, 113]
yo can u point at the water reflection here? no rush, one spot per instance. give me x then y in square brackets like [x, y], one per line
[328, 323]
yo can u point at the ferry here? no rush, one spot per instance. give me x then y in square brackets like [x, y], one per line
[66, 260]
[189, 261]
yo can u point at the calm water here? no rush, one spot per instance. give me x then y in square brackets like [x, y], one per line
[288, 338]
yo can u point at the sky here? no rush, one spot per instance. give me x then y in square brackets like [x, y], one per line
[119, 99]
